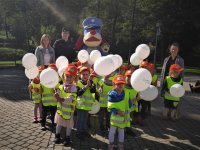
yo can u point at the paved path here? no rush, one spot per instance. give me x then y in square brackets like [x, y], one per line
[18, 132]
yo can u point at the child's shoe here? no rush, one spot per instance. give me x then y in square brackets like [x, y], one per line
[67, 141]
[35, 120]
[57, 139]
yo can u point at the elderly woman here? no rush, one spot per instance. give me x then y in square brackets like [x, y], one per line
[45, 53]
[174, 58]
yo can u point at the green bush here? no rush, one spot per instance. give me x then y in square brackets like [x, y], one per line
[11, 54]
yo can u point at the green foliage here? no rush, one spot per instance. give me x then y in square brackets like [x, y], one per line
[11, 53]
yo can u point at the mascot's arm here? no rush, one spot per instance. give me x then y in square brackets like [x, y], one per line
[79, 43]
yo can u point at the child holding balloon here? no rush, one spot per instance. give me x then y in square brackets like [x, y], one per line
[171, 102]
[35, 88]
[65, 96]
[119, 108]
[49, 102]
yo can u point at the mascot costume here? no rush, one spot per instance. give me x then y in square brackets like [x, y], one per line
[92, 38]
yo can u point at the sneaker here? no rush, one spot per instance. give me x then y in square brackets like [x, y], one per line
[67, 141]
[35, 121]
[57, 139]
[43, 128]
[191, 88]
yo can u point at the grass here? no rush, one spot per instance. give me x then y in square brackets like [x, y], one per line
[10, 63]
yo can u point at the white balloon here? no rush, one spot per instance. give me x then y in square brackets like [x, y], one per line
[83, 56]
[32, 72]
[61, 61]
[49, 78]
[115, 60]
[95, 108]
[177, 90]
[90, 62]
[104, 66]
[141, 79]
[94, 55]
[135, 60]
[29, 60]
[61, 70]
[142, 51]
[120, 60]
[149, 94]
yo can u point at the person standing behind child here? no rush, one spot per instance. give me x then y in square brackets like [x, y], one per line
[64, 46]
[65, 96]
[45, 53]
[174, 58]
[170, 102]
[118, 104]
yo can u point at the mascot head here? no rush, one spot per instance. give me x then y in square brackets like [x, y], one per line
[92, 31]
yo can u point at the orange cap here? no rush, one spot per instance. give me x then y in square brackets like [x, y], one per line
[119, 79]
[176, 67]
[71, 70]
[78, 63]
[84, 69]
[40, 68]
[128, 73]
[52, 66]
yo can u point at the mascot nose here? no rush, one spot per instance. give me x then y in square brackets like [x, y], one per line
[93, 32]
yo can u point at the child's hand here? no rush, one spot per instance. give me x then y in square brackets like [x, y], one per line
[30, 87]
[36, 90]
[56, 95]
[120, 113]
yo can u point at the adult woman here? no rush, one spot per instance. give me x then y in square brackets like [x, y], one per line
[45, 53]
[174, 58]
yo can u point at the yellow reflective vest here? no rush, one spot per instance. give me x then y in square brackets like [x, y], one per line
[65, 109]
[36, 97]
[103, 99]
[123, 105]
[132, 94]
[170, 83]
[48, 98]
[85, 101]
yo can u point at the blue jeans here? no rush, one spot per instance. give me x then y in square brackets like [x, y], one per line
[81, 122]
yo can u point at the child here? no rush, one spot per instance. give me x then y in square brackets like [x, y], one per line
[151, 68]
[49, 103]
[34, 87]
[144, 104]
[118, 106]
[65, 96]
[133, 96]
[85, 100]
[170, 102]
[105, 85]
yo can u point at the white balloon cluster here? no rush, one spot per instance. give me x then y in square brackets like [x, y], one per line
[142, 51]
[107, 64]
[29, 62]
[61, 63]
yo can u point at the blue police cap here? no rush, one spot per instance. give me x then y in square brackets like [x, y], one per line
[92, 22]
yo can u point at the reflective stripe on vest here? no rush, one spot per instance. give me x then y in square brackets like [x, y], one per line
[86, 100]
[170, 83]
[48, 98]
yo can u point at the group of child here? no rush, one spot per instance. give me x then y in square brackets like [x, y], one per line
[78, 90]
